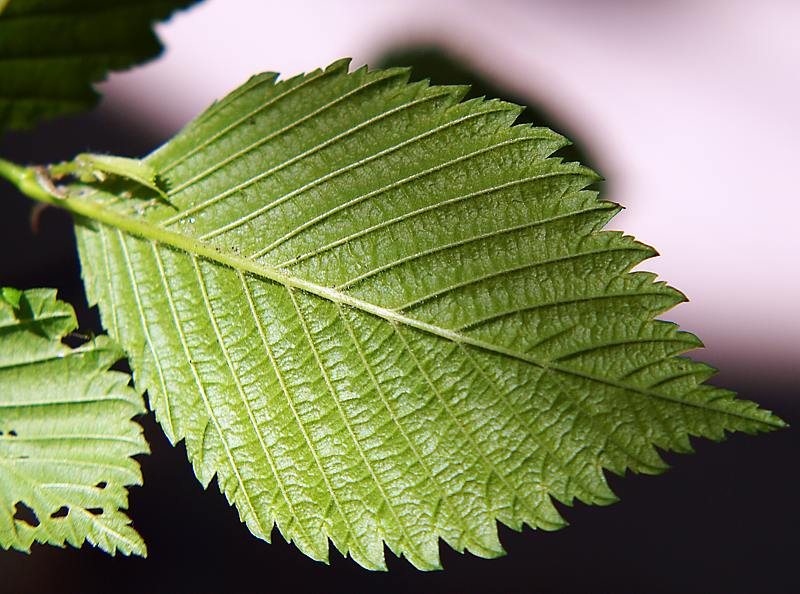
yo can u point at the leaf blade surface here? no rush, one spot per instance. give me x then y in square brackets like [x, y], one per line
[385, 315]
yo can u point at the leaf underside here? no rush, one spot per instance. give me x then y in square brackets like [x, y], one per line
[382, 315]
[51, 51]
[66, 435]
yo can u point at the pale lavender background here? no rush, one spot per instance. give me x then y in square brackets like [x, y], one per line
[690, 109]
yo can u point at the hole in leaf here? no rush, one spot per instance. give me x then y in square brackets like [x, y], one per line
[101, 485]
[77, 339]
[95, 511]
[25, 515]
[61, 512]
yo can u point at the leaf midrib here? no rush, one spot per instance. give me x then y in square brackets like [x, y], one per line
[159, 235]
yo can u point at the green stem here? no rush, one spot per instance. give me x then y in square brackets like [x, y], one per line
[10, 171]
[31, 181]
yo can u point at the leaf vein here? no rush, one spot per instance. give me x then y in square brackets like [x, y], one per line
[506, 272]
[295, 123]
[302, 320]
[460, 243]
[170, 428]
[336, 172]
[198, 381]
[392, 186]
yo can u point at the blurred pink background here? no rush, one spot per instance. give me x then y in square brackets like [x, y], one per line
[689, 109]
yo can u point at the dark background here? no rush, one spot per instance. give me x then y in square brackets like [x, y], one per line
[722, 520]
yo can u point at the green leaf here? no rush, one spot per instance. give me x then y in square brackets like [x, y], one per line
[383, 315]
[66, 435]
[89, 167]
[51, 51]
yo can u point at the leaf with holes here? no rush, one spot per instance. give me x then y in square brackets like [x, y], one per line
[66, 435]
[51, 51]
[384, 315]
